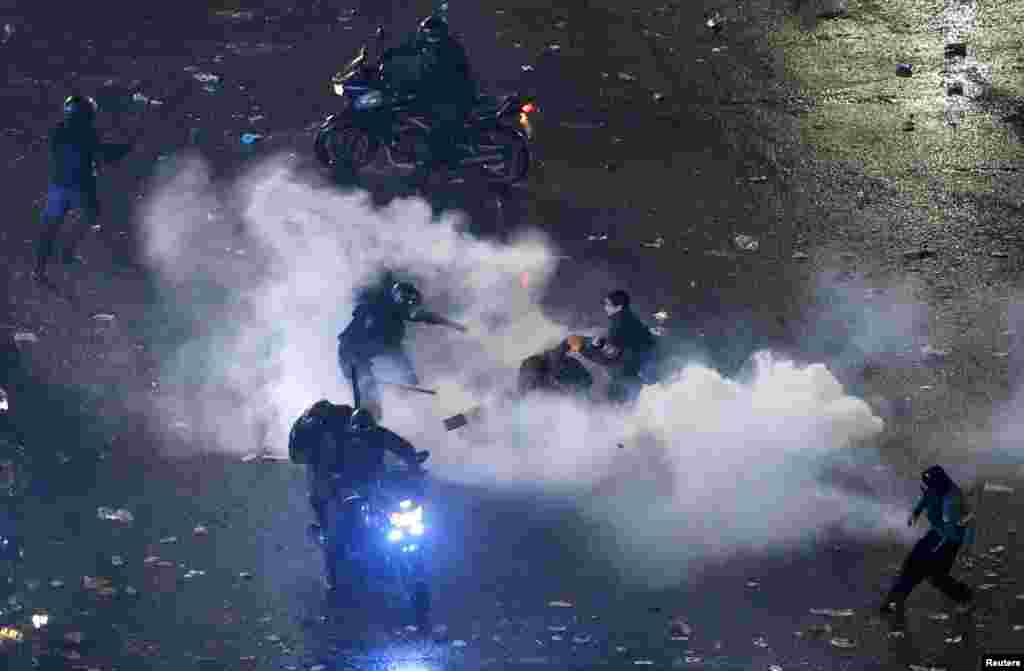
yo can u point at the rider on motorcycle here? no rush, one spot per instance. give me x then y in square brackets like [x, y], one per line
[376, 331]
[627, 349]
[446, 90]
[555, 371]
[342, 449]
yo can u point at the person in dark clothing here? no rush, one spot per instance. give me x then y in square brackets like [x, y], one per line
[555, 371]
[315, 440]
[933, 556]
[446, 90]
[74, 148]
[376, 331]
[627, 348]
[343, 449]
[14, 481]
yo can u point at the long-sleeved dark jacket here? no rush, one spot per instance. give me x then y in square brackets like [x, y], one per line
[329, 447]
[379, 324]
[945, 513]
[74, 149]
[443, 71]
[632, 338]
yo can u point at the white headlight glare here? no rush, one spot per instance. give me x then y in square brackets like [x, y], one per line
[409, 518]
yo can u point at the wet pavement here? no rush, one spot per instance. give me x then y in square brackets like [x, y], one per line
[653, 127]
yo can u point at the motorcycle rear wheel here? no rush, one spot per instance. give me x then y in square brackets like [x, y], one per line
[345, 148]
[515, 150]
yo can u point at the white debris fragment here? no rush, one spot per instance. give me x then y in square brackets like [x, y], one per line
[103, 317]
[26, 336]
[753, 584]
[559, 604]
[996, 488]
[169, 539]
[986, 587]
[955, 640]
[597, 237]
[112, 515]
[842, 643]
[657, 243]
[761, 642]
[661, 315]
[56, 584]
[193, 573]
[747, 243]
[800, 256]
[626, 77]
[526, 68]
[930, 352]
[206, 78]
[459, 643]
[831, 612]
[200, 530]
[939, 617]
[117, 560]
[40, 620]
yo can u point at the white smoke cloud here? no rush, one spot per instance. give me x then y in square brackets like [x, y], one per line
[708, 465]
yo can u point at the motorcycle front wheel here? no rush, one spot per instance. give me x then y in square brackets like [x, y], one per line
[345, 148]
[513, 150]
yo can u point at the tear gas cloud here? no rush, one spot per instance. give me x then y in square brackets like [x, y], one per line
[854, 321]
[710, 465]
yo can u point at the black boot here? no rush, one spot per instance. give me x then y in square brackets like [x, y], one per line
[45, 248]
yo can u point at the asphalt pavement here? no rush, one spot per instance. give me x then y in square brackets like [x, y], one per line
[214, 570]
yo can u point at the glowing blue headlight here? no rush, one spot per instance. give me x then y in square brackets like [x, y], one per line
[369, 100]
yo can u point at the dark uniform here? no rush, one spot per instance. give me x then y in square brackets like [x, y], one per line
[74, 148]
[933, 556]
[343, 450]
[13, 486]
[377, 331]
[446, 90]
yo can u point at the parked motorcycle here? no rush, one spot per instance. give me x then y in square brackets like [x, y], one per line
[376, 117]
[379, 534]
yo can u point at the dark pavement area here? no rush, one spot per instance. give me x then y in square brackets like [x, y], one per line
[651, 127]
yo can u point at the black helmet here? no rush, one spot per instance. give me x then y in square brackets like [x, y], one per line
[80, 109]
[362, 420]
[432, 29]
[403, 293]
[935, 477]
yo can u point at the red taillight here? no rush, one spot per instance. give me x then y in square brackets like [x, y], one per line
[528, 108]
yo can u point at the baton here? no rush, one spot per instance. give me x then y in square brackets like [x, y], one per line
[409, 387]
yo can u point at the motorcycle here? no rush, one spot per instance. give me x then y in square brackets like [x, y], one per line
[379, 534]
[376, 116]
